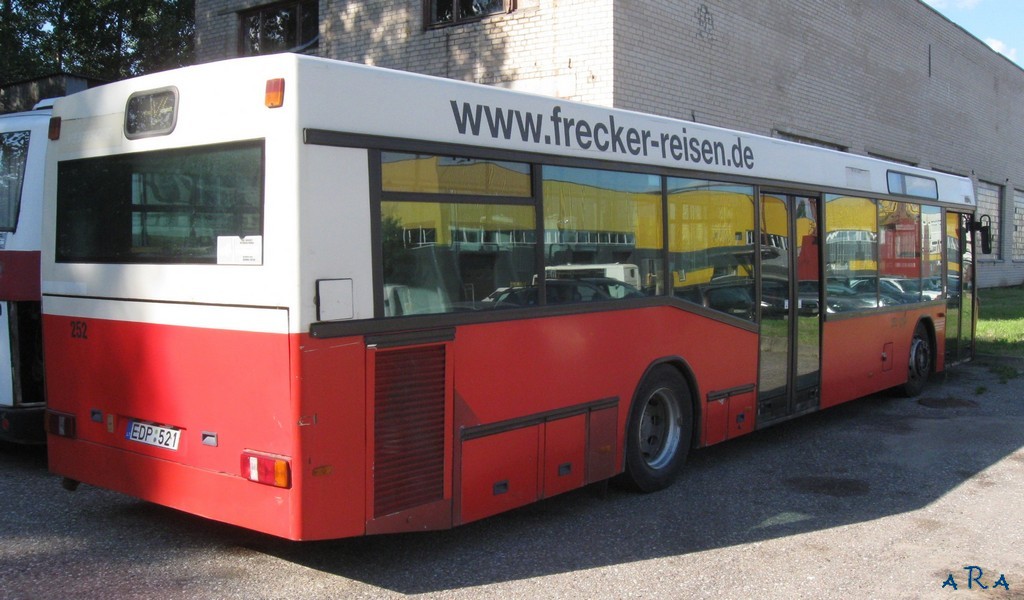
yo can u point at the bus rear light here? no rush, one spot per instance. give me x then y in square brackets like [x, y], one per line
[60, 424]
[54, 131]
[266, 469]
[275, 93]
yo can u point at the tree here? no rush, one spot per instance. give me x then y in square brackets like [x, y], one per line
[101, 39]
[17, 61]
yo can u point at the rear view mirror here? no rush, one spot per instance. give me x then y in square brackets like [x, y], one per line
[986, 239]
[985, 232]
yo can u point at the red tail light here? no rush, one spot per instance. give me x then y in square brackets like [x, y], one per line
[60, 424]
[266, 469]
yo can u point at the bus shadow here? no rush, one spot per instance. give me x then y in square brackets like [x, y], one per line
[865, 460]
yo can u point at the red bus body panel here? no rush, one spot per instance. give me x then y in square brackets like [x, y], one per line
[19, 275]
[315, 402]
[229, 383]
[869, 353]
[533, 408]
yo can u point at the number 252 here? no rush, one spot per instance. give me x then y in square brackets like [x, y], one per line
[79, 330]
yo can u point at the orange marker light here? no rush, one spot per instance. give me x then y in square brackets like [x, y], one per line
[54, 130]
[275, 93]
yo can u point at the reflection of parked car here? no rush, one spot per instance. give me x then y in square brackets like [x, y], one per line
[953, 287]
[889, 292]
[613, 287]
[841, 298]
[732, 296]
[910, 289]
[735, 300]
[809, 298]
[563, 291]
[774, 296]
[931, 290]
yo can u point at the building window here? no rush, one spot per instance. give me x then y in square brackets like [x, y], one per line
[282, 27]
[1018, 224]
[453, 12]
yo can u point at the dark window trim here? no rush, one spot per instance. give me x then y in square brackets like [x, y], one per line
[489, 429]
[375, 144]
[341, 139]
[428, 22]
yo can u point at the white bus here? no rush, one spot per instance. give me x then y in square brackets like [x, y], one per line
[22, 153]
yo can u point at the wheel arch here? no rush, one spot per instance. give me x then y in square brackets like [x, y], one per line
[917, 374]
[929, 327]
[679, 364]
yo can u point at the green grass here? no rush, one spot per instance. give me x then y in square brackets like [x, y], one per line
[1001, 322]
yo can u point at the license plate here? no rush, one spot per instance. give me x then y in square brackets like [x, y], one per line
[154, 435]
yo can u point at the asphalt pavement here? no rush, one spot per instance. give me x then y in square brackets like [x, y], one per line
[884, 497]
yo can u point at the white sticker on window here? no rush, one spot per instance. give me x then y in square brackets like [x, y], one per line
[234, 250]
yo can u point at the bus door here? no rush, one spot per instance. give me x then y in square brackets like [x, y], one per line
[790, 306]
[960, 314]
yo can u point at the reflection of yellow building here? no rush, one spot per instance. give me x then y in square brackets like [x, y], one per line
[705, 219]
[571, 206]
[849, 213]
[953, 244]
[568, 206]
[441, 175]
[710, 229]
[447, 223]
[852, 233]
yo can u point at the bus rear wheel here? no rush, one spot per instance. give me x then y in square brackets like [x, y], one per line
[659, 431]
[920, 366]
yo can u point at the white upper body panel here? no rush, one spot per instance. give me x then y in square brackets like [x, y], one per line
[316, 222]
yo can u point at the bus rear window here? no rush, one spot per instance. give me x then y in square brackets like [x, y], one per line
[169, 206]
[13, 154]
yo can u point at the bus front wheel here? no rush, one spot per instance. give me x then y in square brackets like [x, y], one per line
[920, 365]
[659, 430]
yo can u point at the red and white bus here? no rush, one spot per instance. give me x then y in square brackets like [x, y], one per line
[310, 298]
[22, 162]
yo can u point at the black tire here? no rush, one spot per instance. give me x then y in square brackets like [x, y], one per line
[921, 364]
[659, 431]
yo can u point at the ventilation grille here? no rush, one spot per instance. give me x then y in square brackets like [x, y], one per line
[408, 429]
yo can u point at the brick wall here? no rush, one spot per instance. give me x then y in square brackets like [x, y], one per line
[217, 28]
[557, 48]
[542, 46]
[891, 79]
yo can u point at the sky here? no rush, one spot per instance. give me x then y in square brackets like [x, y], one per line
[998, 23]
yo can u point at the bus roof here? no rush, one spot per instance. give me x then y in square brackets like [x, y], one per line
[328, 97]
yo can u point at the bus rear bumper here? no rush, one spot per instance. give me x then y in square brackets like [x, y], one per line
[201, 492]
[22, 424]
